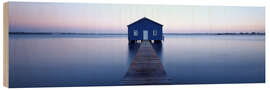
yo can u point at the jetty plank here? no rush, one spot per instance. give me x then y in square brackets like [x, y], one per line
[146, 68]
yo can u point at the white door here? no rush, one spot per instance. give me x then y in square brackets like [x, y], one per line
[145, 35]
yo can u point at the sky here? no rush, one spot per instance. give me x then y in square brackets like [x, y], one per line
[114, 18]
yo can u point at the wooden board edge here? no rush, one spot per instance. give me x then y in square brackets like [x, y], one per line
[5, 45]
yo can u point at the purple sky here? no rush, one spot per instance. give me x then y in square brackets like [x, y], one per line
[113, 18]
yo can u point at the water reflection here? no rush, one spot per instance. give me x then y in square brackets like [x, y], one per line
[45, 60]
[132, 50]
[158, 48]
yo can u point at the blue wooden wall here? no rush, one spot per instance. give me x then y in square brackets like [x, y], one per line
[145, 24]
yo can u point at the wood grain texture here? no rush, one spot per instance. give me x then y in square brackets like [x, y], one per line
[5, 46]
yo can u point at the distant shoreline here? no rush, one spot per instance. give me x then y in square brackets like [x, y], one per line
[56, 33]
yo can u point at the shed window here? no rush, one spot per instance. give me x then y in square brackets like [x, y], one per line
[135, 32]
[154, 32]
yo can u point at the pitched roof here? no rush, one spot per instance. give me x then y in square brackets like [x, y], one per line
[144, 18]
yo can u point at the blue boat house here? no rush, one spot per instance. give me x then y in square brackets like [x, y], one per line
[145, 29]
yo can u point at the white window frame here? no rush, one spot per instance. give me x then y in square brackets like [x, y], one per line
[135, 32]
[155, 32]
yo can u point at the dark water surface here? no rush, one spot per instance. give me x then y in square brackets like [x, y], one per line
[79, 60]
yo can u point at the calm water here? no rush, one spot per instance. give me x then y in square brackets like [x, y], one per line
[79, 60]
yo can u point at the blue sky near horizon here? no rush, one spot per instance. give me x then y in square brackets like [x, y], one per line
[114, 18]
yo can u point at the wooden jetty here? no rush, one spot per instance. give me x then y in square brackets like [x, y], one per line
[146, 68]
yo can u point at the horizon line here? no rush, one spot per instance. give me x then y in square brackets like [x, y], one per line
[200, 33]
